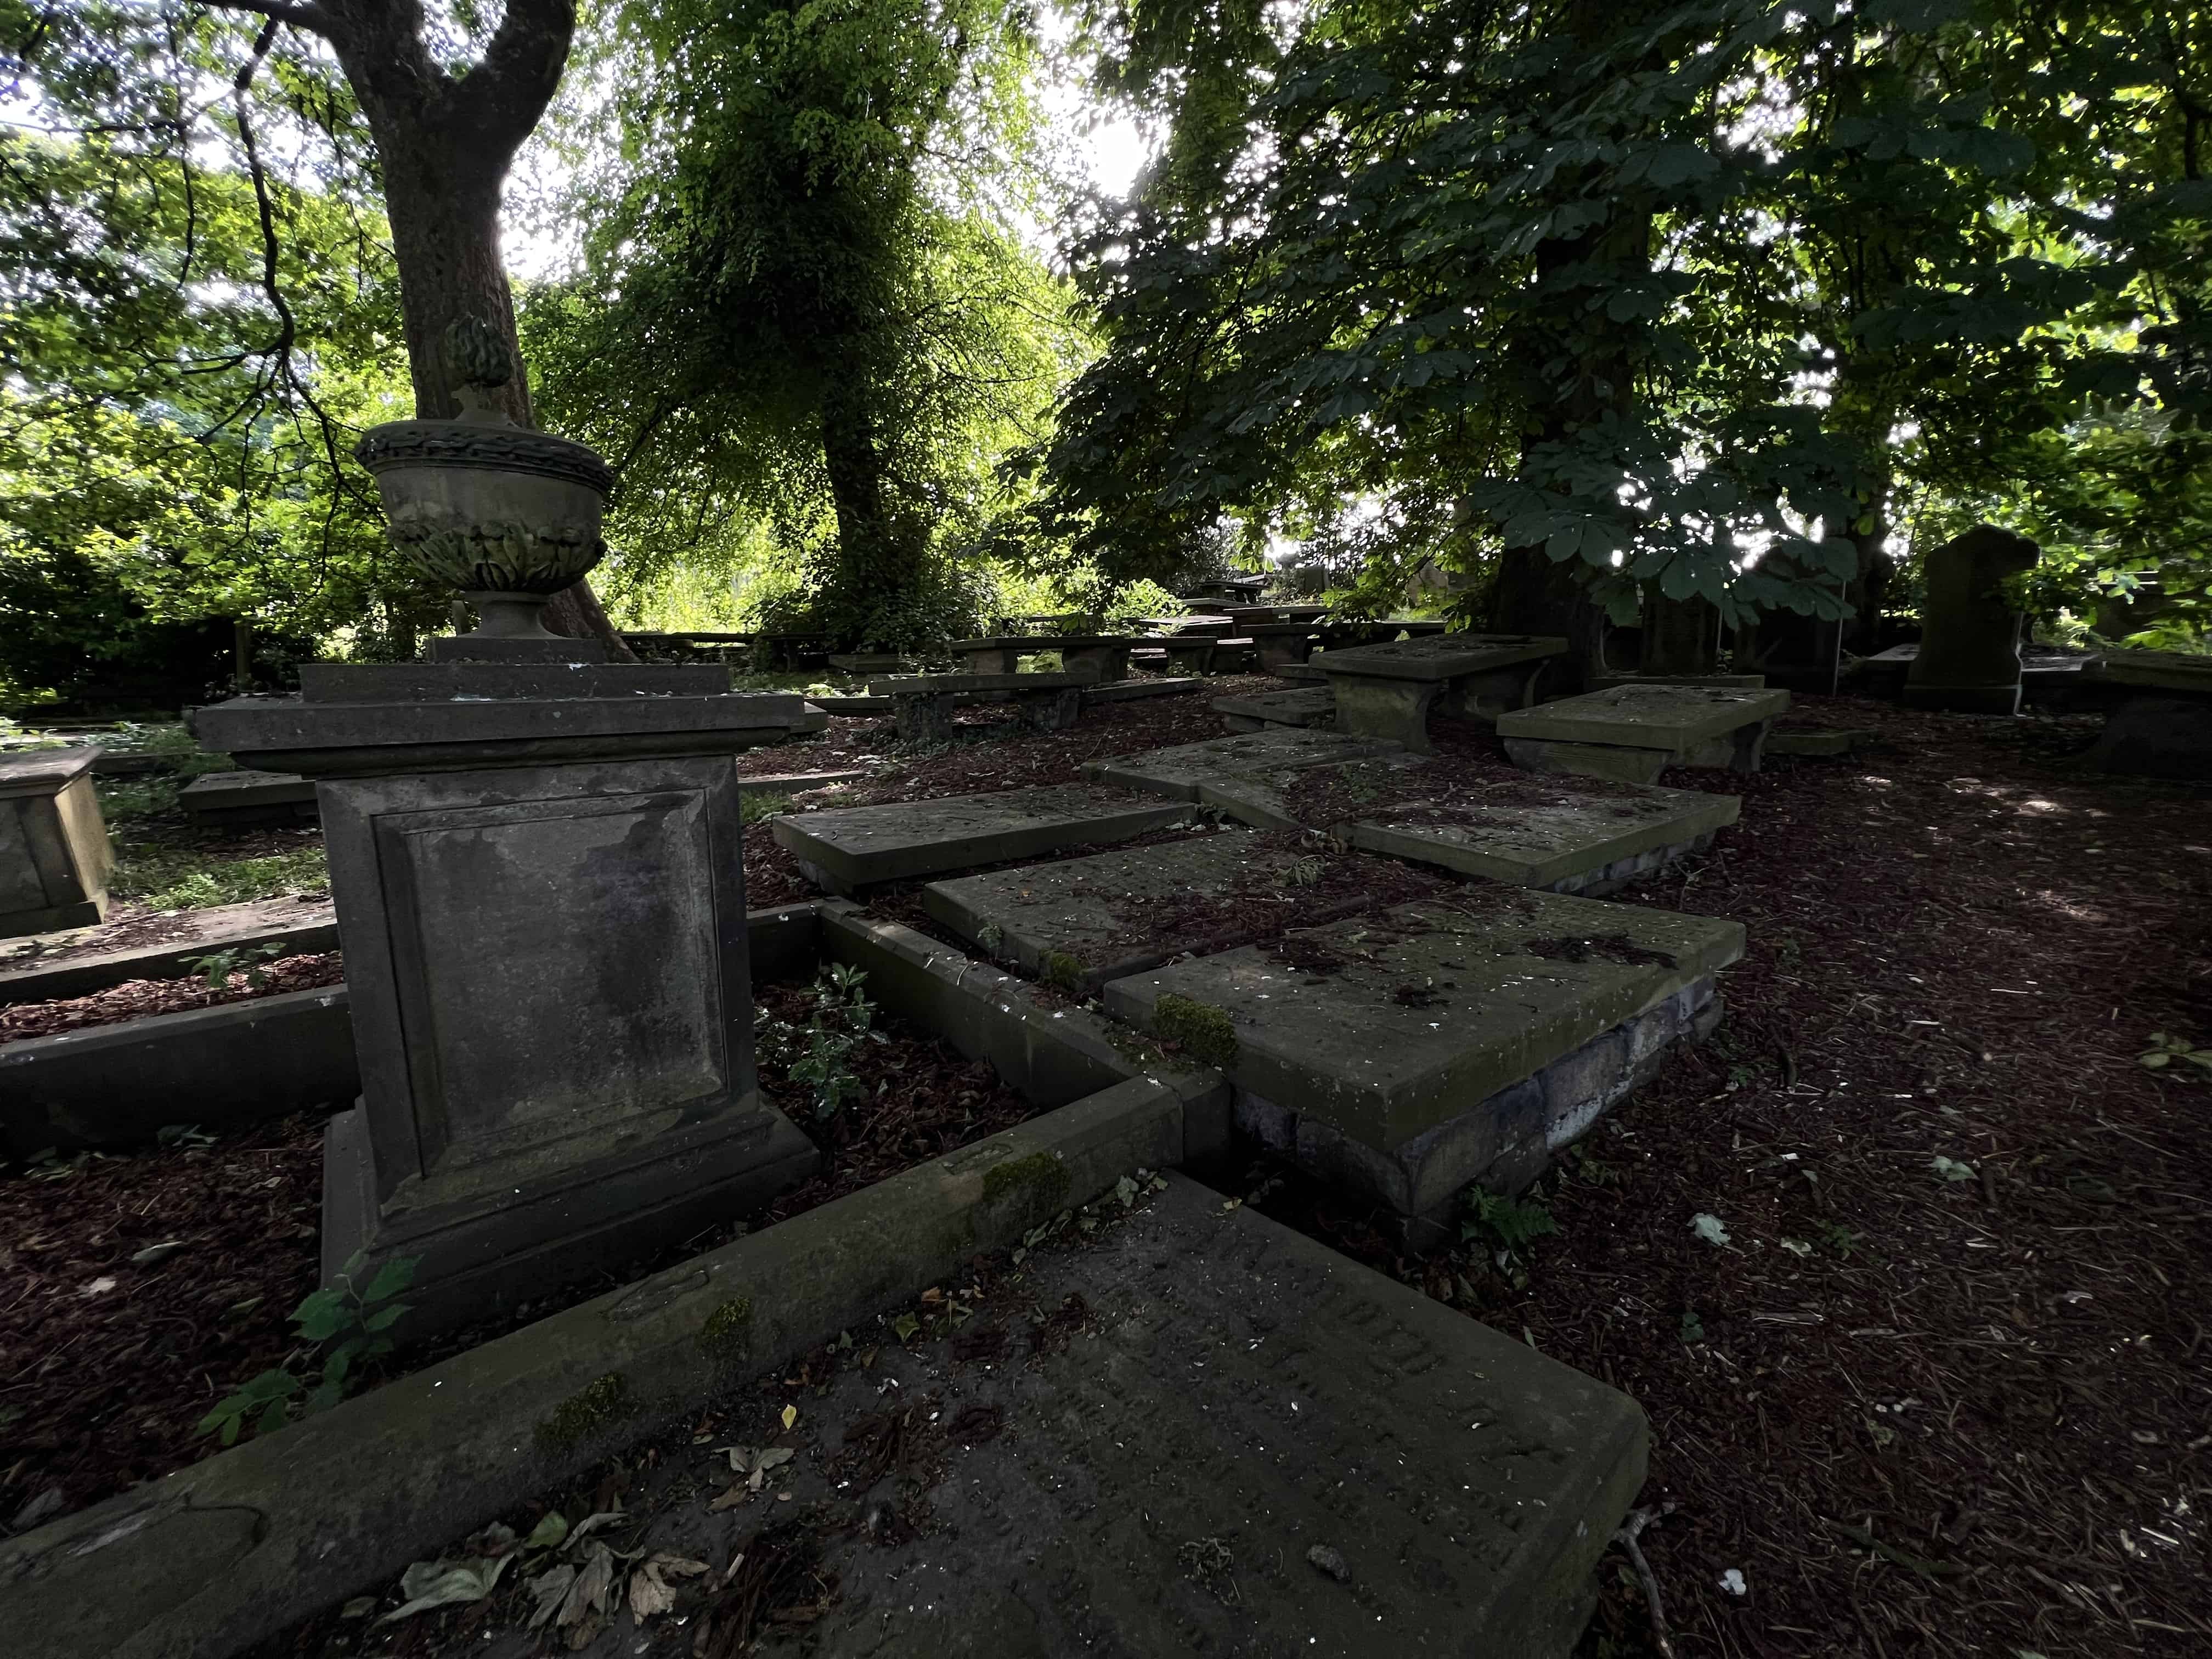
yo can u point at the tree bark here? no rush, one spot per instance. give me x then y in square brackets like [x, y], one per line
[445, 144]
[867, 600]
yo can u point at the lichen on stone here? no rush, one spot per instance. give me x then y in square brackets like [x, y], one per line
[1040, 1172]
[1204, 1032]
[586, 1413]
[726, 1334]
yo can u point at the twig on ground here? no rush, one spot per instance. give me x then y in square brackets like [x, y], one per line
[1631, 1529]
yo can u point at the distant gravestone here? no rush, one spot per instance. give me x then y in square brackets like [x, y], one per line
[1969, 656]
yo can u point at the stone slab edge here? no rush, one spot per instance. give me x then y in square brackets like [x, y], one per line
[1131, 690]
[1562, 722]
[97, 972]
[217, 1557]
[1700, 819]
[847, 871]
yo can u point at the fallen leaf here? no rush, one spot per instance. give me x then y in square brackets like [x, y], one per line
[549, 1589]
[1952, 1169]
[733, 1495]
[591, 1523]
[430, 1584]
[790, 1417]
[1709, 1228]
[650, 1592]
[360, 1607]
[154, 1253]
[590, 1593]
[548, 1533]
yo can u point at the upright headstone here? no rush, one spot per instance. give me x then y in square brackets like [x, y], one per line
[535, 856]
[1969, 656]
[54, 853]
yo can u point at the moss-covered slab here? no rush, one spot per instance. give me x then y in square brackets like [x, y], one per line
[1310, 705]
[1675, 718]
[852, 847]
[1077, 923]
[1178, 772]
[1385, 1027]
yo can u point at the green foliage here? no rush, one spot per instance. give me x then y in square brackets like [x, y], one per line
[215, 968]
[813, 233]
[820, 1052]
[752, 808]
[1201, 1031]
[1504, 1226]
[341, 1328]
[167, 877]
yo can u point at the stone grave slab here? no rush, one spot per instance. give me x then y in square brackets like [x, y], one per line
[1405, 1055]
[1818, 742]
[2162, 727]
[242, 800]
[1301, 673]
[1158, 685]
[1568, 837]
[1390, 688]
[847, 848]
[924, 703]
[1310, 706]
[1633, 732]
[1179, 771]
[55, 857]
[1080, 922]
[1232, 1441]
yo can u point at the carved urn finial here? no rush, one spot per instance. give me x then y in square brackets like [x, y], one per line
[478, 355]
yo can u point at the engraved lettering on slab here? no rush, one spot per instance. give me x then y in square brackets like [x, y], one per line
[564, 959]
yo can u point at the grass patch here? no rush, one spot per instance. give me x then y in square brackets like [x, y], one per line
[174, 878]
[751, 808]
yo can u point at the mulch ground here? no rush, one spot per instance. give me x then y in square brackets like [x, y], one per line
[1920, 1410]
[141, 1289]
[137, 998]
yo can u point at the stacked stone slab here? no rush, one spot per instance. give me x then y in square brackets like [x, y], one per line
[1632, 734]
[2162, 725]
[850, 849]
[1552, 836]
[1105, 657]
[1389, 690]
[1404, 1055]
[537, 867]
[1969, 655]
[246, 799]
[54, 852]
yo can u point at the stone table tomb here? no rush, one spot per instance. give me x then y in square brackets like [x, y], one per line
[924, 703]
[54, 853]
[1389, 690]
[1634, 732]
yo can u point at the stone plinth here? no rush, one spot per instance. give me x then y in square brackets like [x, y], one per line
[537, 872]
[1404, 1055]
[1969, 655]
[1281, 643]
[242, 800]
[1389, 690]
[54, 853]
[924, 703]
[851, 847]
[1632, 734]
[2162, 727]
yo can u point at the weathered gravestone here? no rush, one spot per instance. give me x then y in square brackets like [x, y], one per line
[536, 864]
[2161, 727]
[54, 853]
[1969, 655]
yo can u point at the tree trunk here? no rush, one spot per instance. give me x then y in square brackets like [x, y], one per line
[867, 600]
[1681, 637]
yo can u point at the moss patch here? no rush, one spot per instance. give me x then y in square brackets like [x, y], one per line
[728, 1331]
[586, 1413]
[1061, 969]
[1040, 1172]
[1201, 1031]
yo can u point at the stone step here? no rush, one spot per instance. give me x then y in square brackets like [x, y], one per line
[1529, 833]
[236, 800]
[1404, 1055]
[1179, 771]
[847, 848]
[1314, 705]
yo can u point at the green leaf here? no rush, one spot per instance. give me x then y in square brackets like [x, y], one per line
[394, 1277]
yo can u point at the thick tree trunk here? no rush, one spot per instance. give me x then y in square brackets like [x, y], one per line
[869, 594]
[445, 145]
[1681, 637]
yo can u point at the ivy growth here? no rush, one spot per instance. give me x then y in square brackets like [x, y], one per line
[819, 1053]
[344, 1326]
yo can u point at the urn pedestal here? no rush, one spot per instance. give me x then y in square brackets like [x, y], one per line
[538, 878]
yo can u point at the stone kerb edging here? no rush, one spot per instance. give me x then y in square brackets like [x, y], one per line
[219, 1556]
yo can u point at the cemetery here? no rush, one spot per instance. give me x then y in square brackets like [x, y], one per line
[778, 877]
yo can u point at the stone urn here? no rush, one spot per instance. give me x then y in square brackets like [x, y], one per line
[508, 515]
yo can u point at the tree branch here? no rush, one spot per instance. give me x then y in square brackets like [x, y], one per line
[503, 95]
[306, 15]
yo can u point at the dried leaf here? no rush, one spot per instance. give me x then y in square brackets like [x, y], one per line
[549, 1589]
[430, 1584]
[592, 1591]
[790, 1417]
[650, 1593]
[1709, 1228]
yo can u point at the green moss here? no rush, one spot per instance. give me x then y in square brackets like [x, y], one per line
[586, 1413]
[1204, 1032]
[1061, 969]
[1040, 1171]
[727, 1333]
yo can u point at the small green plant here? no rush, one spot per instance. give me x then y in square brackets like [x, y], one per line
[343, 1323]
[1304, 872]
[1504, 1226]
[215, 968]
[752, 809]
[820, 1052]
[168, 878]
[1694, 1329]
[2166, 1049]
[1586, 1167]
[1841, 1239]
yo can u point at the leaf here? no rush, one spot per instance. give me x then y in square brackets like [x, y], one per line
[549, 1589]
[774, 1456]
[591, 1523]
[1952, 1169]
[394, 1277]
[428, 1585]
[592, 1591]
[550, 1533]
[790, 1417]
[905, 1326]
[650, 1593]
[1709, 1228]
[1797, 1246]
[731, 1495]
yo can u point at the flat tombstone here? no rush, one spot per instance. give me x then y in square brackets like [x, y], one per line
[244, 799]
[1969, 655]
[1077, 923]
[1632, 734]
[924, 703]
[2162, 727]
[542, 902]
[1389, 690]
[1178, 772]
[1397, 1047]
[54, 852]
[1314, 705]
[852, 847]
